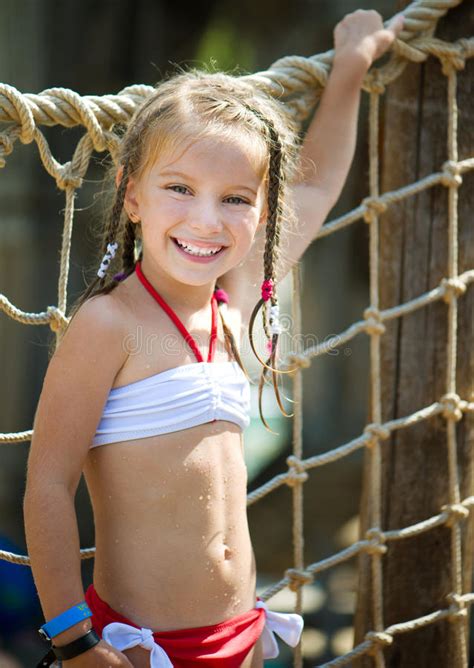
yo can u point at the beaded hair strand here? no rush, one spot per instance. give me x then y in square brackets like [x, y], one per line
[269, 299]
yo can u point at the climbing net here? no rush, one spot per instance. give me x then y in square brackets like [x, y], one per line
[302, 80]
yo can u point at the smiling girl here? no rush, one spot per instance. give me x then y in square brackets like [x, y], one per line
[215, 202]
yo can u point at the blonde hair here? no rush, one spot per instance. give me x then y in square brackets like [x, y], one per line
[192, 105]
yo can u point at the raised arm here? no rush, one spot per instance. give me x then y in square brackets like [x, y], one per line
[328, 148]
[326, 153]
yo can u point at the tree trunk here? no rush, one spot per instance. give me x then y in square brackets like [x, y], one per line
[413, 260]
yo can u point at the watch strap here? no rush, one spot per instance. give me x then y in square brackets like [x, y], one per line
[78, 646]
[47, 660]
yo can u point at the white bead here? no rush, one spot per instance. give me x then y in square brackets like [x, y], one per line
[111, 248]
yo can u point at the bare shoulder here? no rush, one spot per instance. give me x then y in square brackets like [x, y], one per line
[78, 380]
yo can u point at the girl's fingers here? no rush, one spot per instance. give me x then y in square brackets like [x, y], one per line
[395, 25]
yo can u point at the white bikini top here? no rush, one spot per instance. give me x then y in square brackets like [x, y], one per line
[178, 398]
[175, 399]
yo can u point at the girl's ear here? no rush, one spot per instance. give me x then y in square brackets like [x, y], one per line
[130, 202]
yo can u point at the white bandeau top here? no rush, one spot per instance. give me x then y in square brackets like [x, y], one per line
[178, 398]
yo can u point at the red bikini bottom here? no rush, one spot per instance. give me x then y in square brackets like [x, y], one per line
[223, 645]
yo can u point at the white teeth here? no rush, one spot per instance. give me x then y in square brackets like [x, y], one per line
[193, 250]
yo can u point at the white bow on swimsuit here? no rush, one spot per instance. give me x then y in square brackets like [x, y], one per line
[287, 625]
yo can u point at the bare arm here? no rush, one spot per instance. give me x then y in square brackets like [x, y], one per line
[328, 148]
[326, 153]
[53, 547]
[74, 392]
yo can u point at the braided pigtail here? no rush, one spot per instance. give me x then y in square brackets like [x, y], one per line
[128, 251]
[269, 299]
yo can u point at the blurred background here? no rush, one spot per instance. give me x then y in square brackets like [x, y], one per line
[99, 47]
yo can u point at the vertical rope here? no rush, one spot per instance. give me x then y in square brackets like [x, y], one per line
[453, 476]
[298, 528]
[375, 381]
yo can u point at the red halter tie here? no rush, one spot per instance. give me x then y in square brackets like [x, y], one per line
[187, 336]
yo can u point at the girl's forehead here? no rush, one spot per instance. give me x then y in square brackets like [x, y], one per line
[243, 156]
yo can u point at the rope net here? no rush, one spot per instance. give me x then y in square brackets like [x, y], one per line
[302, 80]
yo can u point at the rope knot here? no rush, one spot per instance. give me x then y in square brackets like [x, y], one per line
[296, 474]
[375, 431]
[455, 512]
[298, 578]
[452, 60]
[57, 320]
[300, 360]
[451, 403]
[451, 174]
[376, 540]
[452, 288]
[374, 324]
[373, 82]
[379, 638]
[374, 206]
[457, 607]
[66, 178]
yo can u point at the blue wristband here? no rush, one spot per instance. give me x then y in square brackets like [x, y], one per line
[65, 620]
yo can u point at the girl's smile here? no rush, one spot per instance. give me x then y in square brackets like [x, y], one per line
[204, 256]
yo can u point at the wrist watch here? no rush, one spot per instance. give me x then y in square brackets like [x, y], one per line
[70, 651]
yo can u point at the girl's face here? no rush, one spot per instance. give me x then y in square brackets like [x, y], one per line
[208, 195]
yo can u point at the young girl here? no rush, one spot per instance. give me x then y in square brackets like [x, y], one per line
[146, 394]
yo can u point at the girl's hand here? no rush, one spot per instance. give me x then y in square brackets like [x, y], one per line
[360, 38]
[101, 655]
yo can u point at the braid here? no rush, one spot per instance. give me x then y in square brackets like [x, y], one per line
[128, 249]
[270, 257]
[97, 286]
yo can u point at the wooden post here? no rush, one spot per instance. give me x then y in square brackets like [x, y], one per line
[413, 260]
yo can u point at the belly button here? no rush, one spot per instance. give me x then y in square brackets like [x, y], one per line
[227, 553]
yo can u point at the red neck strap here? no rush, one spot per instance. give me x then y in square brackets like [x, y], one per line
[186, 335]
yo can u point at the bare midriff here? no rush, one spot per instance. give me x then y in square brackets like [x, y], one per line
[173, 548]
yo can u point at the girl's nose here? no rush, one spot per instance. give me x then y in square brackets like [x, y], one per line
[205, 217]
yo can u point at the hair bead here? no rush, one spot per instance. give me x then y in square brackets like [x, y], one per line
[267, 289]
[221, 296]
[111, 248]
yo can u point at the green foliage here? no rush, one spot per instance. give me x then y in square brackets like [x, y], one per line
[224, 47]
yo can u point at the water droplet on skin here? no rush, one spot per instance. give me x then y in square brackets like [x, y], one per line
[208, 496]
[201, 497]
[177, 526]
